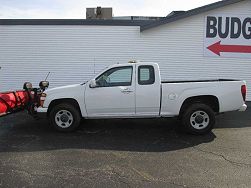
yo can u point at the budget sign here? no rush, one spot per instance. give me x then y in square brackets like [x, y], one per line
[227, 36]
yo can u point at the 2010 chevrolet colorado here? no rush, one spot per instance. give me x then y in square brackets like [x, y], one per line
[135, 90]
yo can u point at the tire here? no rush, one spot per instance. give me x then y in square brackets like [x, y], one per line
[65, 117]
[198, 119]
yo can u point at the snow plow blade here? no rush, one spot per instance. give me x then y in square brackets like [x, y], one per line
[26, 99]
[14, 101]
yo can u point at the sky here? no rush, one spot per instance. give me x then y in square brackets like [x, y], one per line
[75, 9]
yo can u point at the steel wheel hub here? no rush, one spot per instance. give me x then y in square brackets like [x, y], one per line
[64, 118]
[199, 120]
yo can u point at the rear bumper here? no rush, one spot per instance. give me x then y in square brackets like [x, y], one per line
[42, 112]
[243, 108]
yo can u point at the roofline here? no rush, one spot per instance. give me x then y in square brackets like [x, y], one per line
[143, 24]
[74, 22]
[189, 13]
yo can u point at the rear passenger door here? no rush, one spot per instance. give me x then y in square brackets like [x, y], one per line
[148, 90]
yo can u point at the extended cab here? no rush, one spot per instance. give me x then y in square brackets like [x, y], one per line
[135, 90]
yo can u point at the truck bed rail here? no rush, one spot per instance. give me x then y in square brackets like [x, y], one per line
[187, 81]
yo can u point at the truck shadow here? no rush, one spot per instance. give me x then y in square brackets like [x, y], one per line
[20, 133]
[148, 135]
[235, 119]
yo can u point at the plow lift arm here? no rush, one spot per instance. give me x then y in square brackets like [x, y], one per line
[26, 99]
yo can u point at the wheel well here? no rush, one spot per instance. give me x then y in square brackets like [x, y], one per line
[66, 100]
[209, 100]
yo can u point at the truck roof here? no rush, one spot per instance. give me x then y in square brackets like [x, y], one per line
[131, 63]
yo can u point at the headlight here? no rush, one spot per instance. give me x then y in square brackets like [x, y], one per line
[44, 85]
[42, 99]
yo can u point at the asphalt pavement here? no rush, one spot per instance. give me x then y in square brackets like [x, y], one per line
[125, 153]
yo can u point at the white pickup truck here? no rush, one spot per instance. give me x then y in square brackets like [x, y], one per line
[135, 90]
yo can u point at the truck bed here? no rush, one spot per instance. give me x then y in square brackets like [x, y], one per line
[227, 92]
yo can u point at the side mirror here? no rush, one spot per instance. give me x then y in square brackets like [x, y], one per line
[93, 83]
[27, 86]
[44, 85]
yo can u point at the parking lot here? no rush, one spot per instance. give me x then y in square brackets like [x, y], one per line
[125, 153]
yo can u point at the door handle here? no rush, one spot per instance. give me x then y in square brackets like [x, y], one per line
[126, 90]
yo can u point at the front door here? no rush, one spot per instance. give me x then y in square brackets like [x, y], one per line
[114, 95]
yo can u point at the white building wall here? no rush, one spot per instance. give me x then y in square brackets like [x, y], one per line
[178, 47]
[73, 54]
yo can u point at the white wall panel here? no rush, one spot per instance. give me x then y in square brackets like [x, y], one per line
[178, 47]
[70, 53]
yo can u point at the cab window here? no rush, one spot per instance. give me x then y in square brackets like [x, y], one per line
[119, 76]
[146, 75]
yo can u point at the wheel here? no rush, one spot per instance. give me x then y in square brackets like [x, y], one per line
[64, 117]
[198, 119]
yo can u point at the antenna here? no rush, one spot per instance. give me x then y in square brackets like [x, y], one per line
[94, 66]
[47, 76]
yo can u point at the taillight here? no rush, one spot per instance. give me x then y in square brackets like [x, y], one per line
[42, 99]
[244, 91]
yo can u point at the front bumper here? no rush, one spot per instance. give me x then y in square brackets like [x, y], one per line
[42, 112]
[243, 108]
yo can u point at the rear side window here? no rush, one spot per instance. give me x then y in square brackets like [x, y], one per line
[146, 75]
